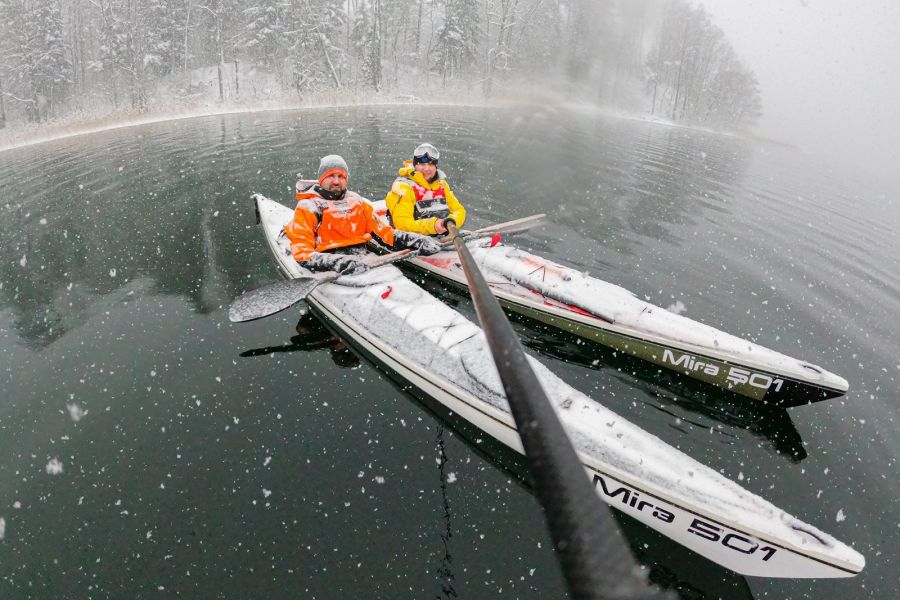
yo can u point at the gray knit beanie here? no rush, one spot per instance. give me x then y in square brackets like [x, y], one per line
[329, 163]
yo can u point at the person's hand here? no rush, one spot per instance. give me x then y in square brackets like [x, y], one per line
[340, 263]
[423, 244]
[441, 227]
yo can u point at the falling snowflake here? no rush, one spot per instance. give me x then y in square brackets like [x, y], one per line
[76, 412]
[678, 307]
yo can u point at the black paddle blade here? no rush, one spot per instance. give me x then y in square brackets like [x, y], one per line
[271, 299]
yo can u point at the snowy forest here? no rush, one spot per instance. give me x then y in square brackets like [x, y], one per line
[664, 58]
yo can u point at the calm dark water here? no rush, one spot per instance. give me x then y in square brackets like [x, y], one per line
[202, 459]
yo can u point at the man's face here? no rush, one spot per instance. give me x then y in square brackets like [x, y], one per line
[426, 169]
[336, 182]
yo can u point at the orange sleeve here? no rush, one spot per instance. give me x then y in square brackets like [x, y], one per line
[302, 233]
[378, 226]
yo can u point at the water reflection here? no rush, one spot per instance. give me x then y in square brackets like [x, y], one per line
[445, 569]
[673, 568]
[312, 336]
[149, 209]
[169, 202]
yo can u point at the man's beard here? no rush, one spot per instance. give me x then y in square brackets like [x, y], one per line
[328, 194]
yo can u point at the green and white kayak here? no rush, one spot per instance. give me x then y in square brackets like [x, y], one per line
[615, 317]
[425, 342]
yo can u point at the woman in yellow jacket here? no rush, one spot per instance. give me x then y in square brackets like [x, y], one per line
[420, 200]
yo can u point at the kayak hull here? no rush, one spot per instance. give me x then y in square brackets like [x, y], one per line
[758, 384]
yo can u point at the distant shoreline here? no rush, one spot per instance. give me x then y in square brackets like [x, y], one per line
[75, 125]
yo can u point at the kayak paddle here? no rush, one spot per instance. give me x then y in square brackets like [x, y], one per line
[579, 525]
[514, 226]
[281, 295]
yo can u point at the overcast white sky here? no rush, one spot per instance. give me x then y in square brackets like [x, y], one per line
[829, 71]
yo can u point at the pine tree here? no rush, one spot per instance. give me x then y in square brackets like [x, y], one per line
[314, 56]
[37, 53]
[115, 49]
[265, 32]
[367, 33]
[457, 39]
[159, 22]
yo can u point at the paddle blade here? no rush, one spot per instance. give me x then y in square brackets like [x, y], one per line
[515, 226]
[270, 299]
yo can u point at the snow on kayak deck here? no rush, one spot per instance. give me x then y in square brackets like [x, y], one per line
[630, 312]
[454, 351]
[632, 315]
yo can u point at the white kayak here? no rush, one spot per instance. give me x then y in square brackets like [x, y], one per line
[444, 355]
[615, 317]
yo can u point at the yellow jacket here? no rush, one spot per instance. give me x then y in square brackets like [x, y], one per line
[413, 200]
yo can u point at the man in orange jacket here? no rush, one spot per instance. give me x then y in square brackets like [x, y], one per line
[330, 220]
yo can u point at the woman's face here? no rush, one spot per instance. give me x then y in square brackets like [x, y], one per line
[426, 169]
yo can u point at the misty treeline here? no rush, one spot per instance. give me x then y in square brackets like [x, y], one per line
[664, 57]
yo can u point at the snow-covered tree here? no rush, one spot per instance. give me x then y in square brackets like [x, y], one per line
[137, 52]
[39, 66]
[456, 45]
[367, 37]
[265, 31]
[314, 56]
[694, 74]
[159, 24]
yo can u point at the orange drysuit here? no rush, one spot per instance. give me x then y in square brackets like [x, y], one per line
[320, 225]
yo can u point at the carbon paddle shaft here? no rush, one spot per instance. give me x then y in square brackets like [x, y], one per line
[579, 525]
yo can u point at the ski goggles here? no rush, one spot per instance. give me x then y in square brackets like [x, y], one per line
[426, 153]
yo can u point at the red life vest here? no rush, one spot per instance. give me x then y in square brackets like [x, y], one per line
[429, 203]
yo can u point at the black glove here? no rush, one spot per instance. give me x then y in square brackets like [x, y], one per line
[340, 263]
[422, 243]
